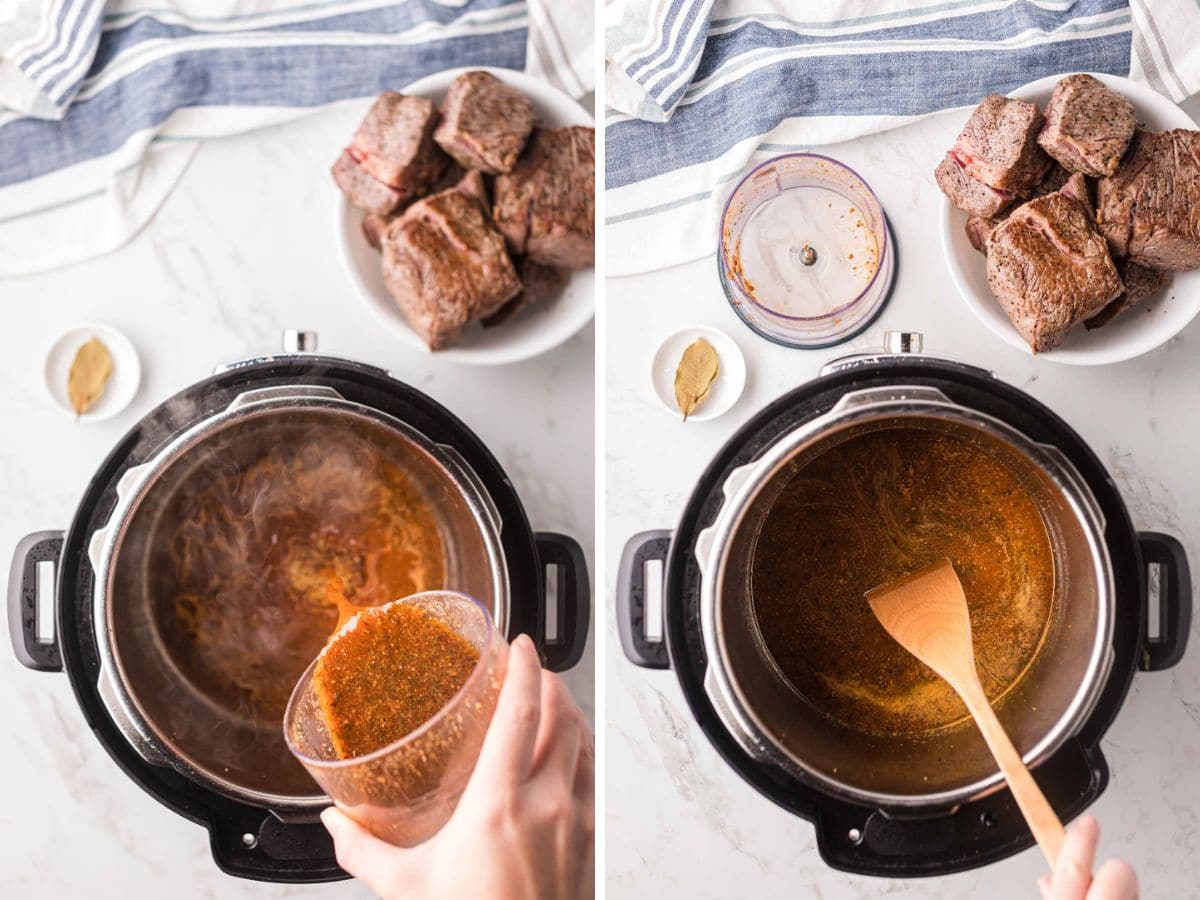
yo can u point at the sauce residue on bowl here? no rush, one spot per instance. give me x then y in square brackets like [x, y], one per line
[867, 511]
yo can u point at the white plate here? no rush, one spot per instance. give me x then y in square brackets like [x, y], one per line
[1131, 334]
[122, 385]
[725, 390]
[534, 331]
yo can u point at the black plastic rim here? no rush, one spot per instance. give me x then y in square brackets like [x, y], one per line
[860, 839]
[249, 841]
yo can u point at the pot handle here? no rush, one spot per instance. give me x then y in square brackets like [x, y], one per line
[631, 599]
[252, 843]
[1174, 600]
[283, 391]
[40, 655]
[897, 843]
[573, 600]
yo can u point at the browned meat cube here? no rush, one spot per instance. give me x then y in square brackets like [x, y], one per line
[1050, 269]
[538, 283]
[971, 196]
[998, 145]
[1055, 178]
[485, 123]
[978, 227]
[450, 177]
[394, 144]
[546, 207]
[1088, 126]
[1077, 189]
[1140, 284]
[1148, 208]
[374, 226]
[473, 185]
[445, 265]
[362, 190]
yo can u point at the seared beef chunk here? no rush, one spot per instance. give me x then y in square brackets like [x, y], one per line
[445, 264]
[373, 228]
[394, 144]
[546, 207]
[998, 145]
[978, 227]
[1078, 190]
[1055, 178]
[473, 185]
[485, 123]
[973, 197]
[1088, 126]
[538, 283]
[1140, 283]
[1148, 208]
[1050, 269]
[362, 190]
[450, 177]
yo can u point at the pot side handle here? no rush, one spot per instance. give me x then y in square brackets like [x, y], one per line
[41, 546]
[631, 599]
[873, 842]
[251, 843]
[1174, 601]
[573, 600]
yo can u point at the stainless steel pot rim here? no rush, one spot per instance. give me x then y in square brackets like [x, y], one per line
[743, 485]
[112, 684]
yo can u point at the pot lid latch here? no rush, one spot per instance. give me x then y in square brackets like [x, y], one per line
[297, 341]
[895, 343]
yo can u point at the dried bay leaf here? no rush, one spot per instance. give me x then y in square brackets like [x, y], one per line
[89, 374]
[695, 374]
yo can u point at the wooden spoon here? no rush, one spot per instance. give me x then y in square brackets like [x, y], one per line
[926, 612]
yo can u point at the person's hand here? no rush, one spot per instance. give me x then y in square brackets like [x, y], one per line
[1072, 877]
[524, 827]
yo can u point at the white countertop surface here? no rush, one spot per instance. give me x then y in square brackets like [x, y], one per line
[241, 250]
[680, 822]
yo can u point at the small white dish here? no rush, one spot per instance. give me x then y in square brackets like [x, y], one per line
[1131, 334]
[532, 332]
[725, 390]
[122, 385]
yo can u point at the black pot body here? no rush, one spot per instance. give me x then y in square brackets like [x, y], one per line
[850, 836]
[250, 841]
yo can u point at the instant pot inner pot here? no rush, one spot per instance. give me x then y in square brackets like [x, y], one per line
[896, 735]
[219, 596]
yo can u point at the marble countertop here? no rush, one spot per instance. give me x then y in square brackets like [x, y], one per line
[679, 821]
[241, 250]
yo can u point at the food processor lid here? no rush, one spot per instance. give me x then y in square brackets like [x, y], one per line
[805, 254]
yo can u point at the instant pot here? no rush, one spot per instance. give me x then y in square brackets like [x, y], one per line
[259, 806]
[872, 814]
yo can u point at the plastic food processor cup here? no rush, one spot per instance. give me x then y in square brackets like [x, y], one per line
[406, 791]
[804, 254]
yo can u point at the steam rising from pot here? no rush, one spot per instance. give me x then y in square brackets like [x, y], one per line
[239, 540]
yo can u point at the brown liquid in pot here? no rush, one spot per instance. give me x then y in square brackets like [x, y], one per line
[867, 511]
[247, 605]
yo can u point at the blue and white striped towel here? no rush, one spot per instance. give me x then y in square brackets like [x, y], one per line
[697, 90]
[102, 106]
